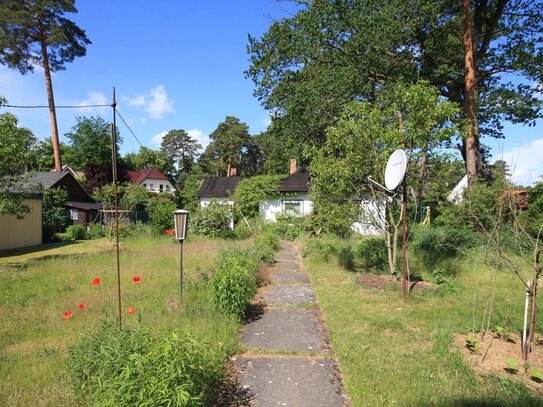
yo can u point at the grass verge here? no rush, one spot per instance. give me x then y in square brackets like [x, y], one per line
[34, 336]
[398, 352]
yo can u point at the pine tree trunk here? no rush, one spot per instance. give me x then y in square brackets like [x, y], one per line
[473, 154]
[51, 100]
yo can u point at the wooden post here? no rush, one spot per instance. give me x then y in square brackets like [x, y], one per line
[114, 176]
[404, 239]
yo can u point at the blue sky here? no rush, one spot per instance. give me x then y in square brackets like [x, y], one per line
[179, 65]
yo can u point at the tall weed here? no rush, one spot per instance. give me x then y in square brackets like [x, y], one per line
[128, 367]
[234, 282]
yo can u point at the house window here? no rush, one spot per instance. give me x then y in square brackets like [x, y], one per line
[73, 214]
[168, 188]
[161, 187]
[144, 185]
[151, 186]
[292, 207]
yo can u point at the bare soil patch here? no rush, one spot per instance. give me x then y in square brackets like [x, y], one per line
[383, 282]
[494, 351]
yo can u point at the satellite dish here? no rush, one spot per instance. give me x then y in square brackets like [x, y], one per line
[395, 170]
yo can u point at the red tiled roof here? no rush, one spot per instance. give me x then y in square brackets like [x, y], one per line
[138, 177]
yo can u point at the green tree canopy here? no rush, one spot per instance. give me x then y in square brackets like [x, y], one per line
[90, 142]
[37, 33]
[15, 152]
[147, 158]
[231, 146]
[179, 147]
[307, 67]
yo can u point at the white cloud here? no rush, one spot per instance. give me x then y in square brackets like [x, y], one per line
[157, 138]
[526, 162]
[156, 102]
[94, 98]
[200, 137]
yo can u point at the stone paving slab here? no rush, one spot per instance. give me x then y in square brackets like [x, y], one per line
[277, 295]
[288, 277]
[300, 382]
[288, 256]
[290, 329]
[287, 266]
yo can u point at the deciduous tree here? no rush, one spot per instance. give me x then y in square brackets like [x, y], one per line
[307, 67]
[15, 150]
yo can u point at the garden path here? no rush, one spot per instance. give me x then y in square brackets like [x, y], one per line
[289, 361]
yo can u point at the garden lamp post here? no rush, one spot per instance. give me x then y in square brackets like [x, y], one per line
[180, 217]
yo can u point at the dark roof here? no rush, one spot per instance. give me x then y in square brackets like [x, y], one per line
[86, 206]
[297, 182]
[138, 177]
[47, 179]
[214, 187]
[61, 179]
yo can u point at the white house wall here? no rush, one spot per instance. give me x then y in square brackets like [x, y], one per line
[371, 222]
[153, 185]
[270, 208]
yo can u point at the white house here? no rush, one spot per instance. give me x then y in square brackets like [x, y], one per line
[295, 201]
[151, 179]
[219, 189]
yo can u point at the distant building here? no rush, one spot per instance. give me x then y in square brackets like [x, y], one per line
[152, 180]
[82, 207]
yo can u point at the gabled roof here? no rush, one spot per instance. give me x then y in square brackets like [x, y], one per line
[61, 179]
[296, 182]
[215, 187]
[138, 177]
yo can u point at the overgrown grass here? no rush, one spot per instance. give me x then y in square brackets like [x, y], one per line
[398, 352]
[34, 336]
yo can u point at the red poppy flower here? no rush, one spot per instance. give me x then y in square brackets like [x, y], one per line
[137, 279]
[82, 306]
[68, 314]
[131, 311]
[96, 281]
[169, 232]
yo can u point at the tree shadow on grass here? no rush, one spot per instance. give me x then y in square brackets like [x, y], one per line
[23, 264]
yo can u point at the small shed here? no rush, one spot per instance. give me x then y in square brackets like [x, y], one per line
[25, 232]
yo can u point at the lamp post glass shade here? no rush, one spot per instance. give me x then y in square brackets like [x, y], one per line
[180, 217]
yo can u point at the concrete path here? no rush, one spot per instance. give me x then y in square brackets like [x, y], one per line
[289, 361]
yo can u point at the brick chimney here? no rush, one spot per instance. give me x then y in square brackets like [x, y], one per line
[233, 172]
[292, 166]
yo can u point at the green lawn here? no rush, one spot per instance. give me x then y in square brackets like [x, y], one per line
[398, 352]
[36, 289]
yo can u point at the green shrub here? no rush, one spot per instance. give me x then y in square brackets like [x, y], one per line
[213, 220]
[267, 244]
[96, 231]
[290, 227]
[373, 254]
[242, 231]
[251, 191]
[130, 367]
[345, 258]
[77, 232]
[323, 247]
[441, 242]
[233, 282]
[160, 211]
